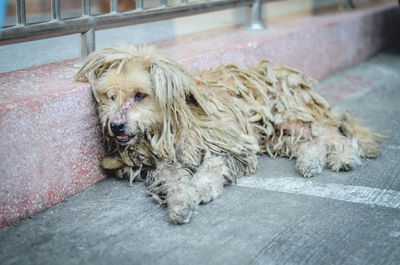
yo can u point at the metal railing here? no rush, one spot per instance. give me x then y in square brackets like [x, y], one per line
[87, 24]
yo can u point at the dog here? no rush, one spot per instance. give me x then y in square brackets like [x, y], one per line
[188, 134]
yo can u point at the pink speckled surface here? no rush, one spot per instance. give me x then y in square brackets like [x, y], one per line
[348, 87]
[318, 45]
[51, 80]
[50, 144]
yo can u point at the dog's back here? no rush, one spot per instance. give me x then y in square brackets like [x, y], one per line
[278, 106]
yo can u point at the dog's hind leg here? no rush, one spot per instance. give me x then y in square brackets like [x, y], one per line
[368, 140]
[349, 142]
[311, 158]
[343, 154]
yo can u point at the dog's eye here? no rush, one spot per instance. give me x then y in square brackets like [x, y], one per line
[140, 96]
[110, 97]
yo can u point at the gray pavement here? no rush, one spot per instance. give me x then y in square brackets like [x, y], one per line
[272, 217]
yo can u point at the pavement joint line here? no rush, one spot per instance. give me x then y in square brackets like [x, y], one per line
[396, 147]
[348, 193]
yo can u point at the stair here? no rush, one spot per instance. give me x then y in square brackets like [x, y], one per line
[49, 138]
[272, 217]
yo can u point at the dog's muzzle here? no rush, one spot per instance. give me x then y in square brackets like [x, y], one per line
[118, 129]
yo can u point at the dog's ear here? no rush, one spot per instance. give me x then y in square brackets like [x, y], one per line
[175, 90]
[100, 61]
[174, 86]
[171, 83]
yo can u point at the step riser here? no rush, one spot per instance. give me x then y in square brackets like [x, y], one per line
[50, 149]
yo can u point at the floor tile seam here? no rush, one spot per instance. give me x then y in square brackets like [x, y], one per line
[348, 193]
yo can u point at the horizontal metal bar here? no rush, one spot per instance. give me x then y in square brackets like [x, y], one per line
[50, 29]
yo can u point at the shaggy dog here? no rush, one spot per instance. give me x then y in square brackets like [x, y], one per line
[187, 135]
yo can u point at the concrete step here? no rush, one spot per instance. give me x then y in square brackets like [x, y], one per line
[271, 217]
[49, 138]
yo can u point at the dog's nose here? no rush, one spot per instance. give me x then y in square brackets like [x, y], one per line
[117, 128]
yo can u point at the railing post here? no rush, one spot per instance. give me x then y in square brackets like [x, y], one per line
[55, 10]
[347, 4]
[87, 40]
[255, 17]
[87, 43]
[21, 12]
[114, 6]
[164, 3]
[139, 4]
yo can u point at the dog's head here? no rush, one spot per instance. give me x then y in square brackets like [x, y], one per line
[140, 91]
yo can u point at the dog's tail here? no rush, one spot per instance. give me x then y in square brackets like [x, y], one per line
[368, 140]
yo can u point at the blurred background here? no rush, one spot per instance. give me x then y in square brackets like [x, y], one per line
[40, 10]
[27, 54]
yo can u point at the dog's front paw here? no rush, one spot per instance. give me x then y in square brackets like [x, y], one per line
[181, 214]
[309, 168]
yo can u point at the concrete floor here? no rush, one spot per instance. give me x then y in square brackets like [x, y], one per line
[272, 217]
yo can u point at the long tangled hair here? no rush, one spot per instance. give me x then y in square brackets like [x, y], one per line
[188, 133]
[190, 118]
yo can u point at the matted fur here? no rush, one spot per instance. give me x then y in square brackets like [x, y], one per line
[189, 134]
